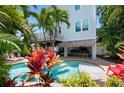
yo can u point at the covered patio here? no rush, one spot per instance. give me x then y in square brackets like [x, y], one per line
[90, 44]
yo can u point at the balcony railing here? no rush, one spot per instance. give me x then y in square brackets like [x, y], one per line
[40, 37]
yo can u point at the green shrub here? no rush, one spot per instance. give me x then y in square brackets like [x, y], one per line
[114, 82]
[4, 71]
[78, 80]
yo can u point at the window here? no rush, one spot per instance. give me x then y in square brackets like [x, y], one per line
[77, 7]
[85, 25]
[78, 26]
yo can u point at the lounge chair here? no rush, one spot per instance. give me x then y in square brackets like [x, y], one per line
[118, 70]
[13, 59]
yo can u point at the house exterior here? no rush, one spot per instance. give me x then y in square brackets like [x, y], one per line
[82, 31]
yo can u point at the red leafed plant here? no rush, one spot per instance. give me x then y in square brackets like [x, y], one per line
[38, 60]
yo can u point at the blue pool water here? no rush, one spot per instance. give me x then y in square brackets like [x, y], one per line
[64, 69]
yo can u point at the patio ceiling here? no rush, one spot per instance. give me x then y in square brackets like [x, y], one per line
[77, 43]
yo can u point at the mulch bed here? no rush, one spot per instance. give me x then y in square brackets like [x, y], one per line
[111, 59]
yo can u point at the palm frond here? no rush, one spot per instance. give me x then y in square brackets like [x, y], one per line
[5, 22]
[8, 41]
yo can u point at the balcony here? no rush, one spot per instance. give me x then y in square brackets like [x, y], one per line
[40, 37]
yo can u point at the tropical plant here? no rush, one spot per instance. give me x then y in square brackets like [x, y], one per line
[37, 62]
[7, 39]
[114, 82]
[109, 38]
[78, 80]
[14, 20]
[25, 9]
[54, 59]
[11, 21]
[111, 30]
[4, 69]
[42, 19]
[58, 16]
[50, 20]
[8, 43]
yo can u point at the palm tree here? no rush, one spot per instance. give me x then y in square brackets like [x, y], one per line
[7, 43]
[42, 21]
[59, 16]
[12, 20]
[18, 21]
[50, 19]
[6, 39]
[49, 27]
[111, 30]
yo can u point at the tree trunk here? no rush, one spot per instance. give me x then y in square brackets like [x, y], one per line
[53, 41]
[54, 35]
[50, 39]
[44, 38]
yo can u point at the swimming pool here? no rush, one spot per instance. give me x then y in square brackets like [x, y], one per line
[64, 69]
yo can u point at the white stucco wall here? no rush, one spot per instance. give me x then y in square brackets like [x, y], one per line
[86, 12]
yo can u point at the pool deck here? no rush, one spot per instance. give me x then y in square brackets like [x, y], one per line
[16, 62]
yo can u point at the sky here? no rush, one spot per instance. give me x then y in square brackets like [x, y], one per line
[39, 7]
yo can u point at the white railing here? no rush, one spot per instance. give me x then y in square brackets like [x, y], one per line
[40, 36]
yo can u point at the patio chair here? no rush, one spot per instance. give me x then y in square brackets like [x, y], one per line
[118, 71]
[121, 66]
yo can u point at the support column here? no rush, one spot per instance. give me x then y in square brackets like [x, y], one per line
[94, 51]
[65, 51]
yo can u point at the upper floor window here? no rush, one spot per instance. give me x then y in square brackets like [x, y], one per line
[85, 25]
[78, 26]
[77, 7]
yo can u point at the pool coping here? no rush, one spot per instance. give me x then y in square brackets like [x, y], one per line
[85, 62]
[63, 61]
